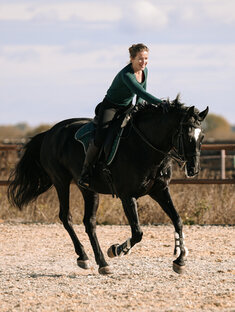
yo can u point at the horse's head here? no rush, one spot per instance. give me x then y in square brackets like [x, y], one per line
[187, 141]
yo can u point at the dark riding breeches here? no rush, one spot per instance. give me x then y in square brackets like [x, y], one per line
[106, 113]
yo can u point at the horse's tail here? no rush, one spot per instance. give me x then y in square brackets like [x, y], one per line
[29, 179]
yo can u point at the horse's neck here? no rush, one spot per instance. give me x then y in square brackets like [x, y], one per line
[158, 128]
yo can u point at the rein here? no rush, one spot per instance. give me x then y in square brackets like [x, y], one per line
[177, 157]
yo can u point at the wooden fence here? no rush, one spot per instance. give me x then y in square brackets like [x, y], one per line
[209, 147]
[212, 147]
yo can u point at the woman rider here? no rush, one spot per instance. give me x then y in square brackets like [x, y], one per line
[130, 81]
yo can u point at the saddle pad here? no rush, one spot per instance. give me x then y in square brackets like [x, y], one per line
[86, 133]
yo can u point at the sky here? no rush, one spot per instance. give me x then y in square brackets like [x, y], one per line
[59, 57]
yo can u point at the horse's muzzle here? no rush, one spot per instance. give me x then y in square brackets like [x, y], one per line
[191, 172]
[192, 168]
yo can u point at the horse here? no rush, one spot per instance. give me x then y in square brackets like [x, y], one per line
[142, 166]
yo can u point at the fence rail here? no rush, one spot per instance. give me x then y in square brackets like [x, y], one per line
[10, 147]
[202, 181]
[217, 147]
[206, 147]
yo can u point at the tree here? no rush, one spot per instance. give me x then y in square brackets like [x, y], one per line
[10, 133]
[217, 127]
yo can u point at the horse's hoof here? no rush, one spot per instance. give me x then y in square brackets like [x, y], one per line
[180, 269]
[105, 270]
[84, 264]
[110, 251]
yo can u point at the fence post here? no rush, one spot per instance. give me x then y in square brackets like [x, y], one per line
[223, 164]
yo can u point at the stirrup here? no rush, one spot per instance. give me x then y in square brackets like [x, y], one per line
[84, 181]
[83, 184]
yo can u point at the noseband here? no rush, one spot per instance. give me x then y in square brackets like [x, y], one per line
[178, 143]
[178, 147]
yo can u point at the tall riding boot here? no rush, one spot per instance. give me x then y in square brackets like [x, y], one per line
[90, 159]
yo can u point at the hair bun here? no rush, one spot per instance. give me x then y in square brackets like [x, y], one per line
[136, 48]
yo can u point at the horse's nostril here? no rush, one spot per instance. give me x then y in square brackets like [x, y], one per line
[191, 172]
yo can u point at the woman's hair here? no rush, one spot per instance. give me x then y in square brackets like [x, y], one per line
[136, 48]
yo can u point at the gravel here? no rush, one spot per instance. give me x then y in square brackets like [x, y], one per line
[38, 270]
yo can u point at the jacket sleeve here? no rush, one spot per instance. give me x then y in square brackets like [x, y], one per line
[138, 89]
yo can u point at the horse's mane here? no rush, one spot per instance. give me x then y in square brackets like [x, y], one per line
[175, 106]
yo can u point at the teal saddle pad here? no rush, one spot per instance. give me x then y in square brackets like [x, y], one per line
[87, 132]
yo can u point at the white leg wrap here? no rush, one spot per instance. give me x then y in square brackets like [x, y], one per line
[186, 252]
[177, 245]
[177, 252]
[177, 235]
[115, 251]
[127, 249]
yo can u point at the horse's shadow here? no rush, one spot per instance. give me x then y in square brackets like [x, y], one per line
[71, 276]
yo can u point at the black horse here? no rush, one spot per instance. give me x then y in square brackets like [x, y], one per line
[142, 166]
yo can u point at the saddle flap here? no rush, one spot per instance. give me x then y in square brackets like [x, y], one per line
[111, 146]
[87, 132]
[112, 140]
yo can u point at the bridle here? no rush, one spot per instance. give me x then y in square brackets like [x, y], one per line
[179, 146]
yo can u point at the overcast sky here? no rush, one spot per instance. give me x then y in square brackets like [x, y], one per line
[58, 58]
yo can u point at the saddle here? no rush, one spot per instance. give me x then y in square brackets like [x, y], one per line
[109, 149]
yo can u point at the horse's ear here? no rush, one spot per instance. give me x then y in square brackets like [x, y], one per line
[190, 112]
[203, 114]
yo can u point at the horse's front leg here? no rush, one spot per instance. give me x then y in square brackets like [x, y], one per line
[130, 209]
[162, 196]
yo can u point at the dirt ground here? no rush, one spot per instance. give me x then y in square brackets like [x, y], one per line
[38, 270]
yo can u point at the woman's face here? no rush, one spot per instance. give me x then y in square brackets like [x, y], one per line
[140, 61]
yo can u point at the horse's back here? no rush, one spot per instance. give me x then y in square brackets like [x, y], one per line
[70, 123]
[65, 128]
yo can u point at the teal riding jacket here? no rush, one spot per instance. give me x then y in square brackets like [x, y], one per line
[125, 86]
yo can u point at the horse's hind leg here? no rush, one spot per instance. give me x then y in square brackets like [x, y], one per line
[65, 217]
[91, 205]
[130, 209]
[162, 196]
